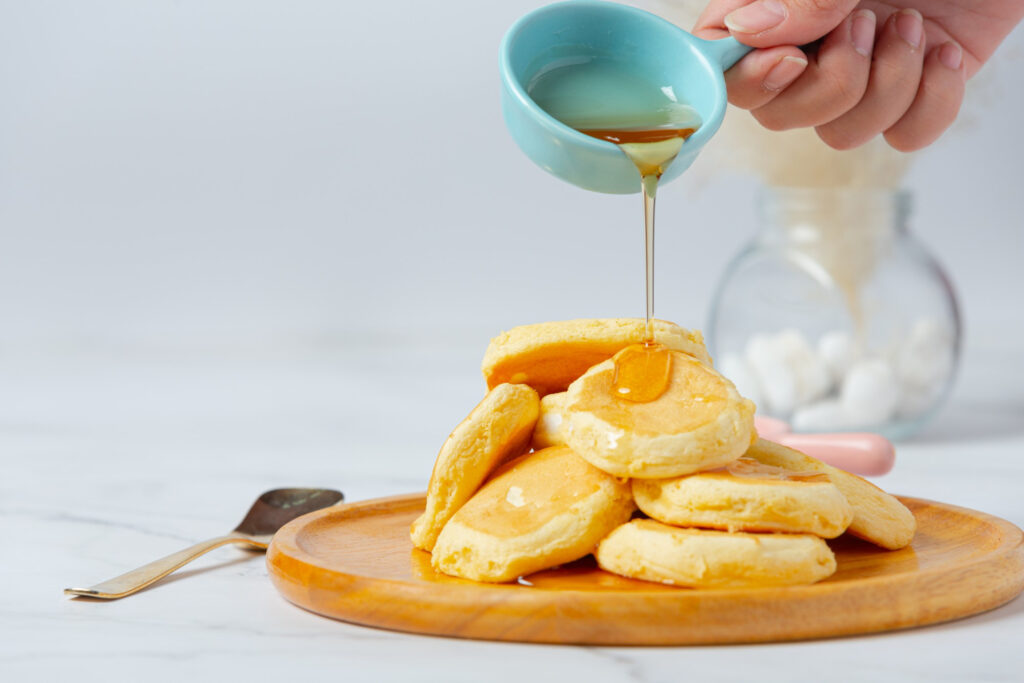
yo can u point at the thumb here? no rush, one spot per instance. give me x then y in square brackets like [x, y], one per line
[768, 23]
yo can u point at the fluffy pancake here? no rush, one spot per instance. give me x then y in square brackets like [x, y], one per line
[548, 431]
[541, 510]
[497, 429]
[877, 517]
[697, 558]
[549, 356]
[700, 422]
[747, 496]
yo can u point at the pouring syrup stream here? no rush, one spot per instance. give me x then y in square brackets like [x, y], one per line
[643, 371]
[607, 100]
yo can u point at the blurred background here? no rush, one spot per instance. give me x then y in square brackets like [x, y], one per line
[293, 227]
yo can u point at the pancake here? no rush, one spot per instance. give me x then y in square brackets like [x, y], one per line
[700, 422]
[549, 356]
[747, 496]
[698, 558]
[548, 431]
[541, 510]
[498, 429]
[878, 517]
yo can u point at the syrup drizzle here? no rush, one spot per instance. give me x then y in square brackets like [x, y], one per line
[644, 371]
[748, 468]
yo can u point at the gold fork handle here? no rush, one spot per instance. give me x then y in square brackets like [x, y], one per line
[137, 579]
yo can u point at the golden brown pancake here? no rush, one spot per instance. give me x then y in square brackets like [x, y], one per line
[541, 510]
[747, 495]
[698, 558]
[700, 422]
[549, 356]
[877, 516]
[497, 429]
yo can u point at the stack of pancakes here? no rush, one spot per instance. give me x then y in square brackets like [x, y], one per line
[552, 466]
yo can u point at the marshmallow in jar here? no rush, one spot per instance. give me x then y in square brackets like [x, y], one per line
[834, 317]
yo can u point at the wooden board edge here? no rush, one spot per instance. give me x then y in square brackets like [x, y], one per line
[996, 579]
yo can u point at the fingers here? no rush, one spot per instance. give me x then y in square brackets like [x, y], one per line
[854, 85]
[761, 75]
[937, 102]
[711, 23]
[764, 23]
[892, 84]
[833, 83]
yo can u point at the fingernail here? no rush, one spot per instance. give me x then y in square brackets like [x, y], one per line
[863, 32]
[909, 26]
[784, 73]
[756, 17]
[951, 56]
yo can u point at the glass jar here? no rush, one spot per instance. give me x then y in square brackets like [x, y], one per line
[835, 318]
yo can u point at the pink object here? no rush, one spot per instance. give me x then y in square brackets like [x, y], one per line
[857, 452]
[769, 427]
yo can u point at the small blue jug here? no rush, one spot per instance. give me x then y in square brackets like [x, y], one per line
[647, 44]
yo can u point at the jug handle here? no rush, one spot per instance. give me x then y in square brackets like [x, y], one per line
[726, 51]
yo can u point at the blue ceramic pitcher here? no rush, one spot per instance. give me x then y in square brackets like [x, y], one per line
[647, 44]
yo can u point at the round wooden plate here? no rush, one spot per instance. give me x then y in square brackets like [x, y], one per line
[356, 563]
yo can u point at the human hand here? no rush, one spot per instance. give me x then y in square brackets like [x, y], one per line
[855, 68]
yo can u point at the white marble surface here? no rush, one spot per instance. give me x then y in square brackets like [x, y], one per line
[111, 459]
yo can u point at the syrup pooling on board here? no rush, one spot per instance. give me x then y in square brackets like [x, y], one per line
[607, 101]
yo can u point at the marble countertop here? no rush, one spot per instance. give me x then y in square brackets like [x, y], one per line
[112, 459]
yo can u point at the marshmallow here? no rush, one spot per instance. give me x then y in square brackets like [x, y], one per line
[823, 416]
[869, 392]
[812, 375]
[925, 358]
[839, 351]
[775, 378]
[815, 381]
[789, 373]
[834, 386]
[735, 367]
[924, 362]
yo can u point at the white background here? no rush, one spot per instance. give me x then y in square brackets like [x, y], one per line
[258, 174]
[252, 244]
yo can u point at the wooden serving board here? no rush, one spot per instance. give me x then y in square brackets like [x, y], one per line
[356, 563]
